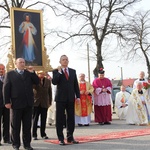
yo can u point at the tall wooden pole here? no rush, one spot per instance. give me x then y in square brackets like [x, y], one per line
[88, 59]
[121, 75]
[121, 71]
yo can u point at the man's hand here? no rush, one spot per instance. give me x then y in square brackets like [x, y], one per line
[143, 102]
[86, 93]
[78, 100]
[104, 90]
[59, 68]
[8, 106]
[82, 92]
[124, 105]
[30, 69]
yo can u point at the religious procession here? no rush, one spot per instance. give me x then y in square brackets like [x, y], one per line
[66, 101]
[35, 96]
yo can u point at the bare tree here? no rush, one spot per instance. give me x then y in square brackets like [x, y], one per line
[5, 23]
[5, 7]
[138, 37]
[88, 21]
[6, 4]
[97, 18]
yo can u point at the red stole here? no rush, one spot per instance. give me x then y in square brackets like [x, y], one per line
[83, 99]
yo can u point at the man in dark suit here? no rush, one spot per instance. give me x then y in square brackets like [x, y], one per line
[18, 95]
[42, 101]
[67, 90]
[4, 112]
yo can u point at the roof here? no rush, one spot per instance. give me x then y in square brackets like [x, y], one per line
[128, 82]
[125, 82]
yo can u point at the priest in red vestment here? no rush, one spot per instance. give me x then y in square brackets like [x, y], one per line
[102, 99]
[84, 108]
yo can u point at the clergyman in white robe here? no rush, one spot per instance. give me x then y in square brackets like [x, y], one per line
[141, 79]
[138, 106]
[121, 103]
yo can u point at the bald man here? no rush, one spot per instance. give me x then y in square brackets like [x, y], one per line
[140, 79]
[138, 106]
[18, 95]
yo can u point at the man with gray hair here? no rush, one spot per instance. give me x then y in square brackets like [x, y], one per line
[140, 79]
[18, 97]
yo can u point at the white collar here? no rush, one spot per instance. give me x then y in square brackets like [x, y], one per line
[65, 68]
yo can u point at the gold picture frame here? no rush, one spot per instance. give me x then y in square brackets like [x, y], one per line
[28, 37]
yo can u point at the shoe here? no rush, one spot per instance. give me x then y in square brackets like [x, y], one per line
[131, 123]
[72, 142]
[107, 122]
[86, 124]
[45, 137]
[0, 144]
[101, 123]
[62, 143]
[35, 138]
[80, 125]
[28, 148]
[15, 148]
[8, 142]
[143, 124]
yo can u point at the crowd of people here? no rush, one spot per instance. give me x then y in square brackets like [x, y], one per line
[26, 102]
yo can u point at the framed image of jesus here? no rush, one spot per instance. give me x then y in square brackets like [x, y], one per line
[27, 36]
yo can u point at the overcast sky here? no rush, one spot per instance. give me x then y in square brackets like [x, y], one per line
[112, 69]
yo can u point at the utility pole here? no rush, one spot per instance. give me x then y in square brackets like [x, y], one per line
[88, 59]
[121, 71]
[121, 74]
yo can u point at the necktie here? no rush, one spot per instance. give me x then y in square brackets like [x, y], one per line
[21, 72]
[66, 74]
[2, 78]
[41, 81]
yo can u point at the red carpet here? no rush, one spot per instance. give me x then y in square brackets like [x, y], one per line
[108, 136]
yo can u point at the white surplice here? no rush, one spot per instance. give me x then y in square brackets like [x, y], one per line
[51, 113]
[121, 111]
